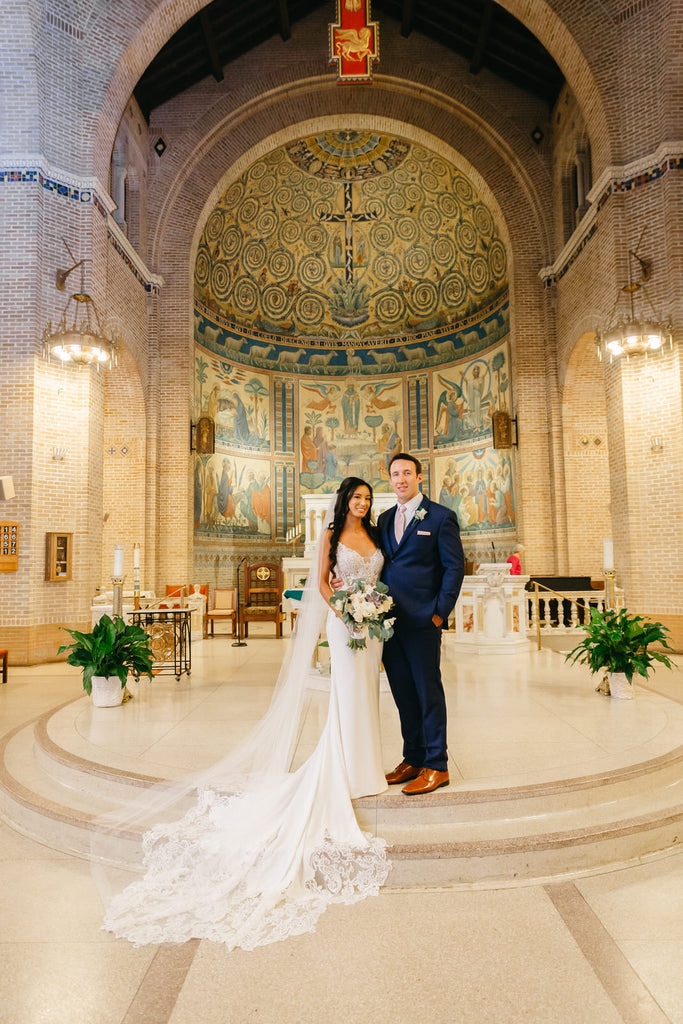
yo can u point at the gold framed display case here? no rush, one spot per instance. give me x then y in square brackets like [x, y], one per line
[58, 556]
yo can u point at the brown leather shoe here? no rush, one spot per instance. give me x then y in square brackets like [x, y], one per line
[403, 773]
[426, 782]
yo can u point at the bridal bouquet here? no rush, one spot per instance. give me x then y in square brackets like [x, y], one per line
[364, 609]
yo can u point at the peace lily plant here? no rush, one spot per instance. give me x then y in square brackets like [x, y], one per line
[620, 644]
[110, 652]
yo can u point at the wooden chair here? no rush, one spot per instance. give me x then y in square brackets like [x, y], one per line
[224, 607]
[262, 595]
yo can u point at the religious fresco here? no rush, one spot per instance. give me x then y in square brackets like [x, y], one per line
[466, 395]
[353, 426]
[237, 400]
[350, 301]
[328, 359]
[232, 496]
[478, 486]
[347, 235]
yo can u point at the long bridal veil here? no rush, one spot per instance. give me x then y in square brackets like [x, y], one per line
[246, 852]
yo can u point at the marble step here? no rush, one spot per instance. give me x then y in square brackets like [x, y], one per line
[457, 836]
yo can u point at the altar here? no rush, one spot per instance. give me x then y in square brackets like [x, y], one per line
[490, 614]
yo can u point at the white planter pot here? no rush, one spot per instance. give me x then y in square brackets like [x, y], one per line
[107, 691]
[619, 686]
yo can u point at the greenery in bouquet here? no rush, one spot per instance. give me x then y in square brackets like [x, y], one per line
[364, 608]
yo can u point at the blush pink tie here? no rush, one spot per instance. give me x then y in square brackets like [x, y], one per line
[400, 523]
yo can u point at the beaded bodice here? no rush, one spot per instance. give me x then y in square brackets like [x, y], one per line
[352, 566]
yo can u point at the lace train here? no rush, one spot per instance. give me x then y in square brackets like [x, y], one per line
[195, 888]
[258, 858]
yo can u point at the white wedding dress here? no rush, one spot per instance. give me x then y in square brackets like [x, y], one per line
[263, 864]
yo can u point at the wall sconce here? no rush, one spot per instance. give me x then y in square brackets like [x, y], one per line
[656, 443]
[58, 453]
[628, 334]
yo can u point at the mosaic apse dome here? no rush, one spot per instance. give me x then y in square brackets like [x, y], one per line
[349, 235]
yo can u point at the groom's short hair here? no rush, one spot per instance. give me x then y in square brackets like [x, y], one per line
[404, 457]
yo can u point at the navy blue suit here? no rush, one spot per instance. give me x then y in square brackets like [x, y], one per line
[424, 573]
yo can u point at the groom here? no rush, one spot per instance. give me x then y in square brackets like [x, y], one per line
[424, 568]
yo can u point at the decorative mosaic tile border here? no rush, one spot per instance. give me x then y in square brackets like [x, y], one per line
[670, 163]
[87, 191]
[613, 182]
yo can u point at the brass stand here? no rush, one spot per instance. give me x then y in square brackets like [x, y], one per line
[136, 580]
[610, 577]
[117, 613]
[117, 597]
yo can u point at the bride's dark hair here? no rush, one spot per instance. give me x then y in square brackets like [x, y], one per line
[341, 509]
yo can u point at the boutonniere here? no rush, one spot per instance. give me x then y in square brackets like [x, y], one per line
[419, 515]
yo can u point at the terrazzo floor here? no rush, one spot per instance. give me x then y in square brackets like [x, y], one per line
[600, 949]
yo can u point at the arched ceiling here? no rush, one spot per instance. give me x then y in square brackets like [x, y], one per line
[481, 31]
[349, 234]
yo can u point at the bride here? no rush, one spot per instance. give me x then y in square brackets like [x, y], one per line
[250, 852]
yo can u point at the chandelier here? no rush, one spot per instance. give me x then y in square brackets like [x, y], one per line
[80, 338]
[628, 334]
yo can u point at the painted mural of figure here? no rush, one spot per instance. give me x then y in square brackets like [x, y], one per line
[351, 408]
[374, 391]
[449, 412]
[500, 506]
[330, 463]
[490, 497]
[260, 501]
[327, 402]
[474, 392]
[459, 506]
[210, 493]
[309, 452]
[241, 425]
[506, 484]
[394, 446]
[212, 406]
[224, 500]
[480, 497]
[445, 495]
[469, 504]
[247, 501]
[197, 492]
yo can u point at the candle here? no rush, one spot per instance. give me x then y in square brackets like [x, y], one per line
[118, 560]
[607, 553]
[136, 556]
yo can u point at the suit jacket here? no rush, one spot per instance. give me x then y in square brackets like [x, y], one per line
[424, 572]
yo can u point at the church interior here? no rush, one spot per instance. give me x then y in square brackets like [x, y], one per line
[241, 261]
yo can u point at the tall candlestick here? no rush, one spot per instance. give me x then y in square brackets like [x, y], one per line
[118, 560]
[607, 553]
[136, 576]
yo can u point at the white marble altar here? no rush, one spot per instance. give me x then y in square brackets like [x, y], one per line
[490, 614]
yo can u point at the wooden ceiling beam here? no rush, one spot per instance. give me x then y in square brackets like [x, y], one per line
[210, 44]
[477, 60]
[407, 17]
[282, 17]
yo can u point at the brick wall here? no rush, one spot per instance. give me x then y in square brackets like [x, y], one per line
[623, 65]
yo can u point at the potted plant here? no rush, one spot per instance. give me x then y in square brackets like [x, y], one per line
[107, 655]
[620, 643]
